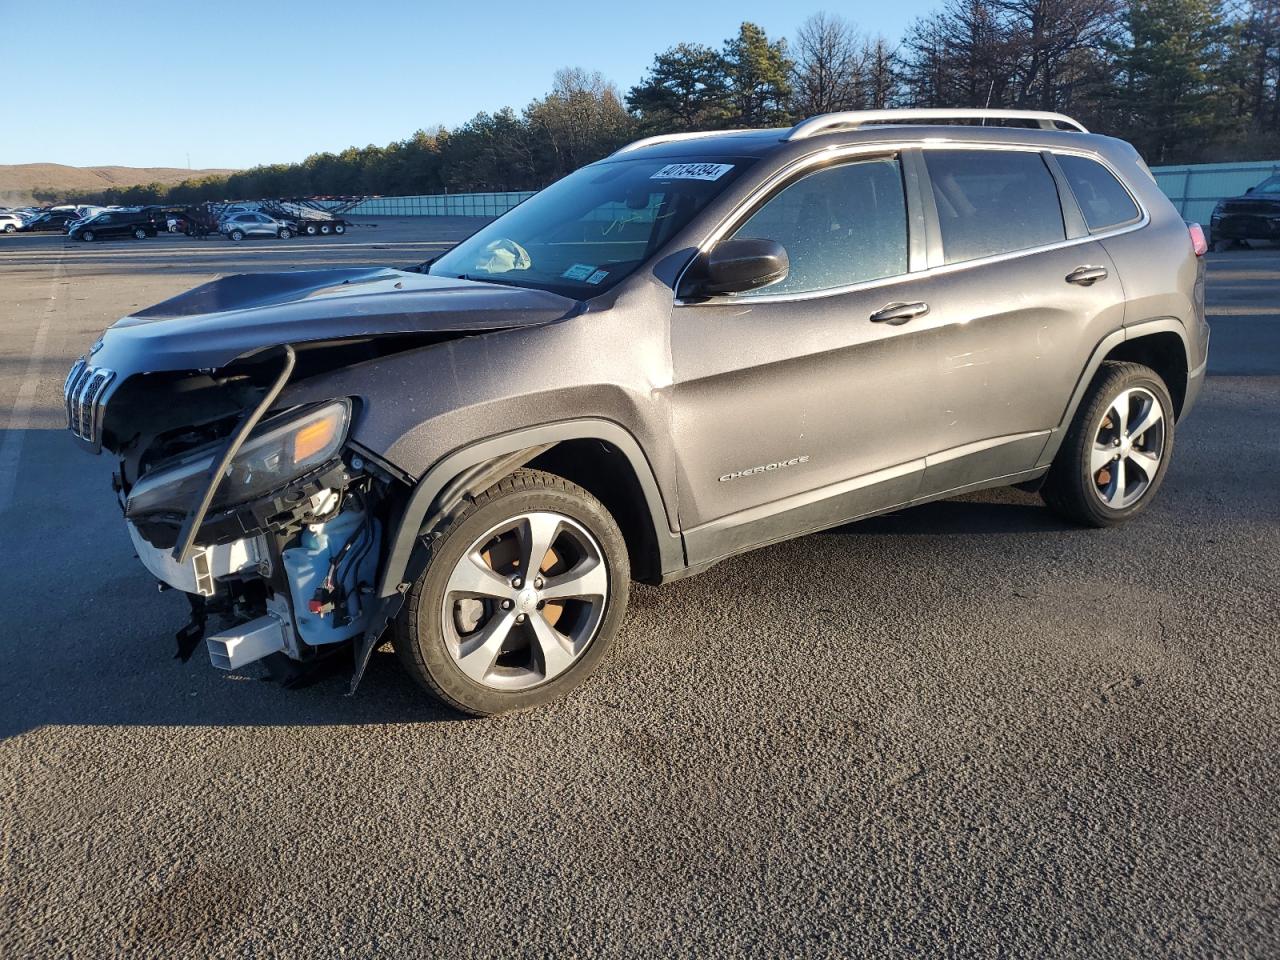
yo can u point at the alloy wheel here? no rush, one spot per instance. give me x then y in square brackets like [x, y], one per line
[1127, 447]
[525, 601]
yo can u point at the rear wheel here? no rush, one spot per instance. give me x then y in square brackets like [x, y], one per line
[339, 228]
[311, 229]
[325, 228]
[285, 233]
[139, 234]
[520, 599]
[10, 228]
[1114, 456]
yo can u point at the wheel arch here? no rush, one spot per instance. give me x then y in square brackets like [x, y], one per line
[1159, 343]
[1163, 351]
[598, 455]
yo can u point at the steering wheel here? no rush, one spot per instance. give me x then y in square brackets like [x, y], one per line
[505, 255]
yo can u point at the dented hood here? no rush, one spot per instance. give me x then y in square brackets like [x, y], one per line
[228, 318]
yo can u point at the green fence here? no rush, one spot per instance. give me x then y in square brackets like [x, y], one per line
[1195, 188]
[441, 205]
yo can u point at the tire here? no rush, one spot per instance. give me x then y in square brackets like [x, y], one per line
[286, 233]
[311, 229]
[1090, 484]
[236, 235]
[10, 228]
[140, 234]
[430, 634]
[87, 236]
[325, 229]
[339, 228]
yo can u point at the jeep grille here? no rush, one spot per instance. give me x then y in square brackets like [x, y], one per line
[83, 394]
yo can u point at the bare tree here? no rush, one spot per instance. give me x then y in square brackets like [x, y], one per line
[579, 121]
[1060, 44]
[963, 55]
[880, 66]
[828, 74]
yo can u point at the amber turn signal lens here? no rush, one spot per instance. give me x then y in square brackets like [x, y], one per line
[314, 437]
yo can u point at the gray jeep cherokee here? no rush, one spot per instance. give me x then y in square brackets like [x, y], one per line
[697, 346]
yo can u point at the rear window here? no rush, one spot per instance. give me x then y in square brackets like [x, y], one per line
[1103, 201]
[993, 201]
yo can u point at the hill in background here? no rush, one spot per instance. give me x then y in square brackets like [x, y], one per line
[17, 181]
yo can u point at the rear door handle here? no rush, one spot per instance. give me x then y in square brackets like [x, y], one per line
[899, 313]
[1087, 275]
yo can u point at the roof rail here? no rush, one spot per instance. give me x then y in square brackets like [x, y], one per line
[670, 137]
[853, 119]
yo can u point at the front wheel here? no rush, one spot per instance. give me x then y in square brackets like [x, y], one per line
[139, 234]
[521, 597]
[1115, 454]
[87, 236]
[236, 235]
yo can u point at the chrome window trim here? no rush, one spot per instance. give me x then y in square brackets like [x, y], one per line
[835, 154]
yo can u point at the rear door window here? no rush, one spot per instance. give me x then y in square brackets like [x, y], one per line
[993, 201]
[842, 225]
[1102, 199]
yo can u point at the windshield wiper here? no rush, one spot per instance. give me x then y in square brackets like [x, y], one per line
[488, 278]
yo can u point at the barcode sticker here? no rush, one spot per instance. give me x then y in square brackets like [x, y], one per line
[692, 171]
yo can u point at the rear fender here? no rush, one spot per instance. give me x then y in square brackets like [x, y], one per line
[1096, 359]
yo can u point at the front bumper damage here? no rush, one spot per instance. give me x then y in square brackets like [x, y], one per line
[287, 577]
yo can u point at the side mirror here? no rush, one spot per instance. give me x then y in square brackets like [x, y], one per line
[743, 263]
[1250, 190]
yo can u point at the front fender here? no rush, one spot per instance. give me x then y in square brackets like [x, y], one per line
[432, 493]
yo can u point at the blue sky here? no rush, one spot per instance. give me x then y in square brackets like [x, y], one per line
[142, 83]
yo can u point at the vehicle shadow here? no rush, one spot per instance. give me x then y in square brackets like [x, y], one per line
[989, 513]
[104, 654]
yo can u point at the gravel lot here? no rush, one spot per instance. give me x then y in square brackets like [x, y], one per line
[963, 730]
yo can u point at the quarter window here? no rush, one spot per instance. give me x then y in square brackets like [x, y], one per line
[1103, 201]
[841, 225]
[993, 201]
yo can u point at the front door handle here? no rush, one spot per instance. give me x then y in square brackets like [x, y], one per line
[1087, 275]
[899, 313]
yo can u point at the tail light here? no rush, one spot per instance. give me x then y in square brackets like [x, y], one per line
[1198, 243]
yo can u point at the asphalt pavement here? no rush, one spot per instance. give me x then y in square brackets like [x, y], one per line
[965, 730]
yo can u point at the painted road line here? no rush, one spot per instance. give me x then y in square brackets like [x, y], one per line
[19, 420]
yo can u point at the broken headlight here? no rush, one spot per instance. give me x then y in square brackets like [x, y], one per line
[275, 453]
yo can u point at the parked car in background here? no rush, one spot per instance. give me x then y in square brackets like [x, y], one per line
[114, 223]
[10, 223]
[242, 225]
[50, 221]
[1255, 215]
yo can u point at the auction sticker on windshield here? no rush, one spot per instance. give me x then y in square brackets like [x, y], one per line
[579, 271]
[692, 171]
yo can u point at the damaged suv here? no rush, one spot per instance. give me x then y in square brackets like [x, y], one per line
[699, 345]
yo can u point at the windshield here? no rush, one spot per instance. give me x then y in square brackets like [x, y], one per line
[587, 232]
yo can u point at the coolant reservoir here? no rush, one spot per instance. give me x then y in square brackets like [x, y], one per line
[307, 565]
